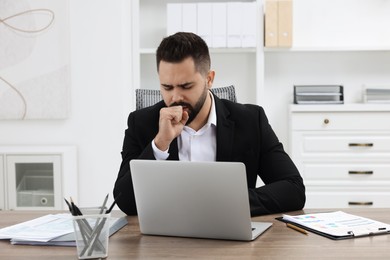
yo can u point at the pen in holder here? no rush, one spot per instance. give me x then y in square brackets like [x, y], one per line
[92, 229]
[92, 233]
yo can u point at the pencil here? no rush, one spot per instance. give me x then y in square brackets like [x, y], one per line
[296, 228]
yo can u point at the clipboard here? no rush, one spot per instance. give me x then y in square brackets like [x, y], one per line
[337, 225]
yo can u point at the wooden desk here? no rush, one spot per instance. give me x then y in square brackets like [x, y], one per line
[278, 242]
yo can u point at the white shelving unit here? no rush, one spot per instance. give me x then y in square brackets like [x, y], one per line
[338, 42]
[351, 48]
[345, 42]
[238, 66]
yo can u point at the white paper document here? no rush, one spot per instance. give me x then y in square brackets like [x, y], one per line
[52, 229]
[41, 229]
[339, 224]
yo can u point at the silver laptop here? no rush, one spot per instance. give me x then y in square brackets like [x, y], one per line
[194, 199]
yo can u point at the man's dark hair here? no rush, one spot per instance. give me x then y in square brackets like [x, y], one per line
[181, 45]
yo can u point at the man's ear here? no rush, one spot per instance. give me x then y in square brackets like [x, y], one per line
[210, 78]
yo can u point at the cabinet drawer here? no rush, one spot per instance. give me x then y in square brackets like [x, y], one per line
[340, 121]
[347, 199]
[346, 143]
[345, 172]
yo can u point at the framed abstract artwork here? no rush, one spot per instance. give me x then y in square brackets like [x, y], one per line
[34, 59]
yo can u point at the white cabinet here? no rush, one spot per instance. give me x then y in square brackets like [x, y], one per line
[242, 67]
[343, 154]
[37, 177]
[34, 181]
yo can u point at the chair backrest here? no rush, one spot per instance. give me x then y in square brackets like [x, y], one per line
[149, 97]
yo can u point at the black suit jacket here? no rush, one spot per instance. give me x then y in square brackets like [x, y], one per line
[243, 135]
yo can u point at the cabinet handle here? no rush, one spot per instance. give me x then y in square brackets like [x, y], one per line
[361, 172]
[326, 121]
[360, 144]
[360, 203]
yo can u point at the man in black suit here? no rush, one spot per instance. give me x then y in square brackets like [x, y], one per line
[193, 124]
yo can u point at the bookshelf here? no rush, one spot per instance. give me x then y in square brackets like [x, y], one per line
[337, 42]
[238, 66]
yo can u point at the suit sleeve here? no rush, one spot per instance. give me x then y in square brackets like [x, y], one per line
[133, 148]
[284, 189]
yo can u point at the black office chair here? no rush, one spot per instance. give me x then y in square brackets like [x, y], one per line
[148, 97]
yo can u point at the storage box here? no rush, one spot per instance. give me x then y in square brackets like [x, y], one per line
[35, 191]
[318, 94]
[376, 94]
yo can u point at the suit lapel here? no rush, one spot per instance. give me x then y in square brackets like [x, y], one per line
[225, 132]
[173, 151]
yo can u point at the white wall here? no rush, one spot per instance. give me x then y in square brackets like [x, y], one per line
[100, 98]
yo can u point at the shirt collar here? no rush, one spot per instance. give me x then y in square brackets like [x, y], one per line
[212, 120]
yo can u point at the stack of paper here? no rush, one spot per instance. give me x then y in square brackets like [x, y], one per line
[376, 94]
[52, 229]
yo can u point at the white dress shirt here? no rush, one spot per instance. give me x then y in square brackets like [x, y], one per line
[194, 145]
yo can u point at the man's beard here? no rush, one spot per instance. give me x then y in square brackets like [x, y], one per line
[193, 111]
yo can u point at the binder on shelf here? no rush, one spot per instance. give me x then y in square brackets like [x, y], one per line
[204, 21]
[285, 23]
[219, 25]
[271, 23]
[174, 18]
[318, 94]
[249, 24]
[234, 24]
[189, 17]
[278, 23]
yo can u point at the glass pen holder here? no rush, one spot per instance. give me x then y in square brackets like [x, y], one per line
[92, 234]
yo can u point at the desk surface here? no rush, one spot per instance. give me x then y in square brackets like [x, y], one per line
[277, 242]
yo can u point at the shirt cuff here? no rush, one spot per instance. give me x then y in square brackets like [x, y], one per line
[158, 154]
